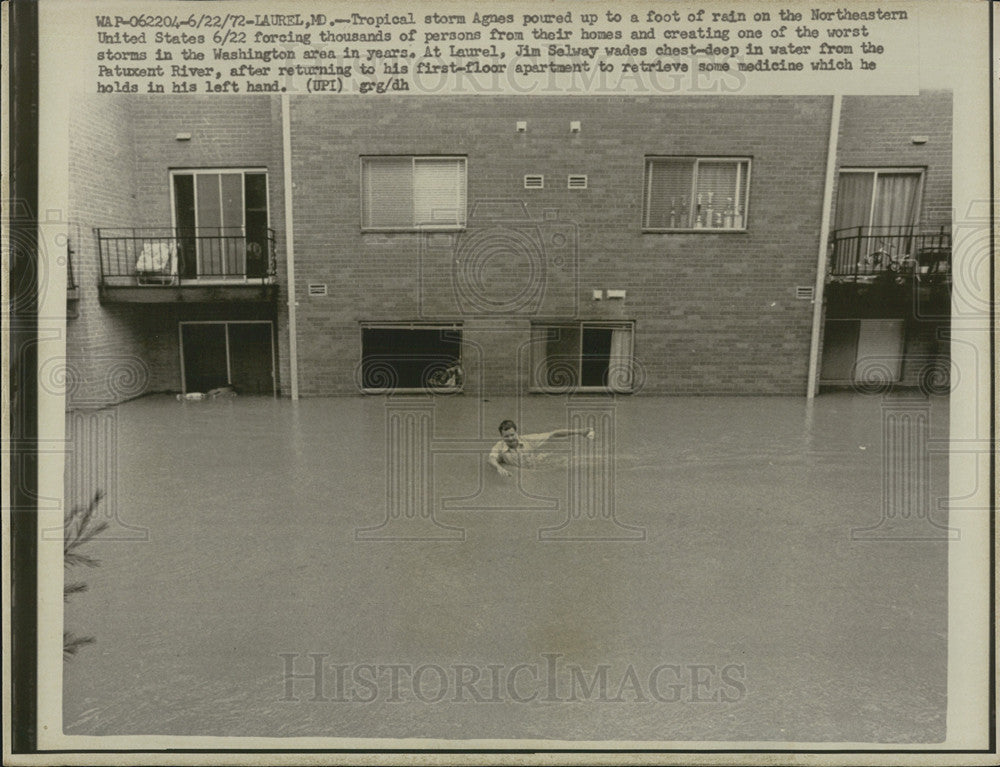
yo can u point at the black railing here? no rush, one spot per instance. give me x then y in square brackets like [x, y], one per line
[169, 256]
[70, 276]
[866, 252]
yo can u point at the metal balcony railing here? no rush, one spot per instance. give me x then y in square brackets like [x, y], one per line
[168, 256]
[865, 252]
[70, 276]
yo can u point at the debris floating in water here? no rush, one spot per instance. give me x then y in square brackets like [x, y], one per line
[221, 391]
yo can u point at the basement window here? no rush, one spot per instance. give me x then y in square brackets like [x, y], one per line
[582, 356]
[411, 358]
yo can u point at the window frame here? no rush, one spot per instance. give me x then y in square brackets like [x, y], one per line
[581, 325]
[455, 327]
[415, 227]
[743, 182]
[243, 170]
[914, 170]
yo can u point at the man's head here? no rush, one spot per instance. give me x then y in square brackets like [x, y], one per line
[508, 432]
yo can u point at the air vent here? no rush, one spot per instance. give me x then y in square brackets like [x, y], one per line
[576, 182]
[534, 182]
[317, 288]
[805, 293]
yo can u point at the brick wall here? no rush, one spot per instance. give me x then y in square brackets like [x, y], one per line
[122, 151]
[714, 312]
[226, 132]
[107, 354]
[876, 131]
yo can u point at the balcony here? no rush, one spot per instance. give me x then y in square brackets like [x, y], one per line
[891, 253]
[191, 265]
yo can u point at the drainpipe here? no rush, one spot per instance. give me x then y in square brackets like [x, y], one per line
[812, 384]
[286, 146]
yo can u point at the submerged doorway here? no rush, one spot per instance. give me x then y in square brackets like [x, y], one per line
[238, 354]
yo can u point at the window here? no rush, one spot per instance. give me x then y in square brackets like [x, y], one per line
[875, 221]
[411, 193]
[594, 356]
[696, 193]
[221, 221]
[881, 200]
[415, 358]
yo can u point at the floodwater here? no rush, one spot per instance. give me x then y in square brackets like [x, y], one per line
[705, 569]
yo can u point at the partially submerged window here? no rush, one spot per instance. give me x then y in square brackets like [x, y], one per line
[413, 358]
[594, 356]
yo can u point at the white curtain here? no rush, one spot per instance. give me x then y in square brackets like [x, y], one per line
[896, 199]
[854, 201]
[439, 191]
[620, 360]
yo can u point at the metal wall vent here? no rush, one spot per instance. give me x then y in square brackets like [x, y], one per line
[805, 293]
[317, 288]
[534, 182]
[576, 182]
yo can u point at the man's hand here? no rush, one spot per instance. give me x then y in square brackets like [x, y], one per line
[502, 471]
[590, 433]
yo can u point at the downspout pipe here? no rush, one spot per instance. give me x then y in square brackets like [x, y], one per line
[812, 383]
[286, 146]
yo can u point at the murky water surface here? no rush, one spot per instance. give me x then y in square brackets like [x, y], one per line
[707, 568]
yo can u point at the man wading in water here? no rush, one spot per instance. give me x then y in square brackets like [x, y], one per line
[516, 450]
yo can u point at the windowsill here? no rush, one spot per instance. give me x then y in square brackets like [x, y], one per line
[417, 390]
[577, 390]
[701, 230]
[422, 230]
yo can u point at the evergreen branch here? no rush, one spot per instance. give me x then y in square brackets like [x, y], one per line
[73, 588]
[73, 643]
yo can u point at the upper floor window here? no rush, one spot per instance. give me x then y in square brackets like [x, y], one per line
[878, 199]
[407, 193]
[696, 193]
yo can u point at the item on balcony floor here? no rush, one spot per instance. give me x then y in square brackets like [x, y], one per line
[157, 264]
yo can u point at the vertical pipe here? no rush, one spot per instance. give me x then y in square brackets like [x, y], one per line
[286, 144]
[812, 381]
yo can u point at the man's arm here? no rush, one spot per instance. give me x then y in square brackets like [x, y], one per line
[494, 460]
[541, 438]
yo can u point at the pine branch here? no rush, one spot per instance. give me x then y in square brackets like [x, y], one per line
[73, 643]
[73, 588]
[77, 526]
[71, 558]
[78, 530]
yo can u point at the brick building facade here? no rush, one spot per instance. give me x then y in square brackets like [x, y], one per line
[704, 214]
